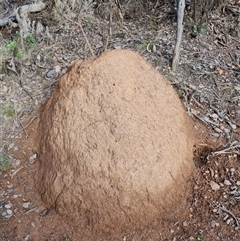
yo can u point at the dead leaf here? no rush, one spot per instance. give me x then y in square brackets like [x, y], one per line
[222, 71]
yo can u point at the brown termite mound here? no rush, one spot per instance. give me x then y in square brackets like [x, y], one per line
[115, 146]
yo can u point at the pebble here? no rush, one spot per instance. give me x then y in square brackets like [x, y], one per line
[11, 146]
[8, 206]
[52, 74]
[227, 183]
[226, 130]
[27, 237]
[229, 220]
[238, 183]
[10, 186]
[218, 130]
[213, 223]
[33, 158]
[9, 211]
[214, 186]
[26, 204]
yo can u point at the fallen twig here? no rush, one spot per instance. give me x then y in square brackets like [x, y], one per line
[227, 150]
[225, 210]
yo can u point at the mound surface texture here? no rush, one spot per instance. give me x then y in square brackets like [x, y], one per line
[115, 145]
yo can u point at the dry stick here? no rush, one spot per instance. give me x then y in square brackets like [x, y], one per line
[225, 151]
[225, 210]
[80, 25]
[109, 28]
[180, 14]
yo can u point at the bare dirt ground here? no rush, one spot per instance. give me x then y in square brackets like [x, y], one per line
[208, 82]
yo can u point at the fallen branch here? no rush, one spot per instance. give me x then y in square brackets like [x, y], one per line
[228, 150]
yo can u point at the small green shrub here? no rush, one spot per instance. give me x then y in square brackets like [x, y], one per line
[5, 163]
[9, 110]
[200, 28]
[13, 46]
[31, 41]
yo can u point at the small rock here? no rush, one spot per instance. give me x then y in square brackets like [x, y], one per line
[214, 116]
[232, 170]
[4, 214]
[33, 224]
[33, 158]
[227, 183]
[213, 223]
[238, 183]
[214, 210]
[221, 184]
[229, 220]
[27, 237]
[9, 211]
[233, 126]
[226, 217]
[10, 186]
[11, 146]
[26, 205]
[8, 206]
[214, 186]
[218, 130]
[52, 74]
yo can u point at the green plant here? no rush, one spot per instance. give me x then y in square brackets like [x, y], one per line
[9, 110]
[31, 41]
[199, 236]
[152, 23]
[5, 163]
[65, 239]
[200, 28]
[13, 46]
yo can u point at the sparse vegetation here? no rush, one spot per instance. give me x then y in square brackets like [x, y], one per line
[5, 163]
[9, 110]
[15, 47]
[200, 28]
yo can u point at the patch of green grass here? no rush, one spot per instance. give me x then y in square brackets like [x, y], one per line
[13, 46]
[65, 238]
[18, 46]
[9, 110]
[30, 41]
[200, 236]
[142, 47]
[152, 23]
[5, 163]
